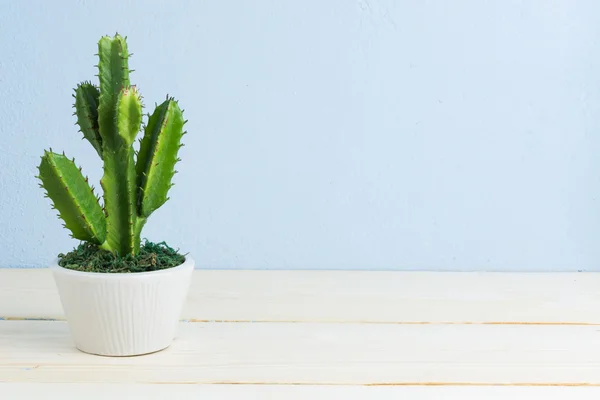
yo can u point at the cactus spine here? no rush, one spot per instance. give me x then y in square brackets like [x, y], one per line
[110, 118]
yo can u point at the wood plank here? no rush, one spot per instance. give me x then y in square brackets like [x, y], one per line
[18, 391]
[317, 353]
[350, 296]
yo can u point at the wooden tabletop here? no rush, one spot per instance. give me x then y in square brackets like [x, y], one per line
[324, 334]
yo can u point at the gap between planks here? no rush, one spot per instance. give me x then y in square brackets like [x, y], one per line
[350, 297]
[318, 354]
[271, 328]
[342, 322]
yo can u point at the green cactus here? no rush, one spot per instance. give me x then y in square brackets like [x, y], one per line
[110, 118]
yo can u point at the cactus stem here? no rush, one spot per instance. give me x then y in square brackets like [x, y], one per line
[119, 118]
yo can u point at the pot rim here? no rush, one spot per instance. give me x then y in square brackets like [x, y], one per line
[188, 263]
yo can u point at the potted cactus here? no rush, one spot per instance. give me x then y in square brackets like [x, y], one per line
[120, 297]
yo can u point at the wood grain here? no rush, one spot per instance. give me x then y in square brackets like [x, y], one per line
[326, 334]
[351, 296]
[74, 391]
[317, 353]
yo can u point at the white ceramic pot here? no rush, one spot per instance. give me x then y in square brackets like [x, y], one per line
[113, 314]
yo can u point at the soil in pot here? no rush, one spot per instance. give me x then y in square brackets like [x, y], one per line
[88, 257]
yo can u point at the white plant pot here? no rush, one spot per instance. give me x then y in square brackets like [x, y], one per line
[114, 314]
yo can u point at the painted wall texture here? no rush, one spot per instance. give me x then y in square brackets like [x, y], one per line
[338, 134]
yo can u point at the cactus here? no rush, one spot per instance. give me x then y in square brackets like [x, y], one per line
[110, 117]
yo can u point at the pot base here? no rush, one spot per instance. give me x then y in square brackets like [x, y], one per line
[123, 315]
[124, 355]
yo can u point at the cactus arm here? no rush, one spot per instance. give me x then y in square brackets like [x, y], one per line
[158, 155]
[129, 122]
[129, 114]
[72, 197]
[86, 108]
[119, 179]
[113, 73]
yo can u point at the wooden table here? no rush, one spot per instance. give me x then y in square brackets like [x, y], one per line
[325, 334]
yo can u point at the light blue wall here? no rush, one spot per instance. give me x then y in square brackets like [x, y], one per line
[448, 135]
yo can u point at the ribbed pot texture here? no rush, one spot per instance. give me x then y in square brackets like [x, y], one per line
[123, 314]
